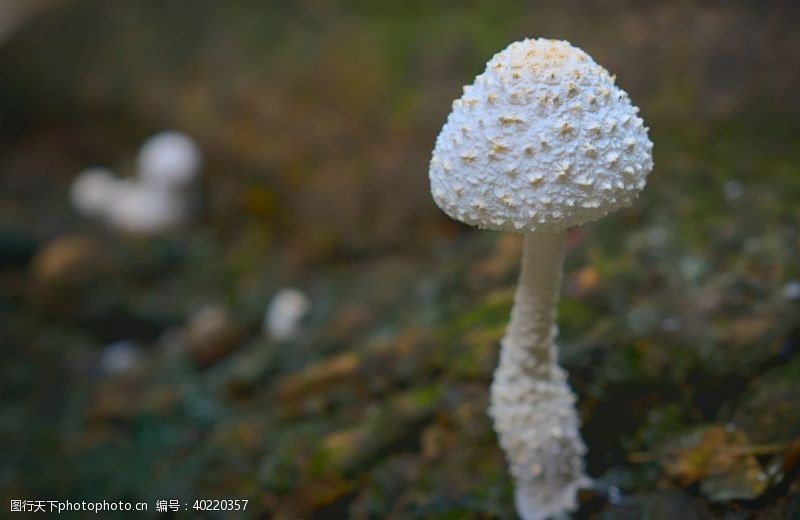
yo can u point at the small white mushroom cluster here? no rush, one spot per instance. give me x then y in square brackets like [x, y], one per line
[161, 197]
[543, 140]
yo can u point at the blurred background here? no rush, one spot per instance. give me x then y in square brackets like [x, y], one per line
[309, 332]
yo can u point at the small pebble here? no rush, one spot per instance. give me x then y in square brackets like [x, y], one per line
[119, 357]
[670, 324]
[733, 190]
[791, 291]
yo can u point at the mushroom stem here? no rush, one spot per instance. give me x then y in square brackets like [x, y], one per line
[533, 327]
[531, 403]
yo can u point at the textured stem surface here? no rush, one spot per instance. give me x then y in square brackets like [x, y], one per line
[531, 403]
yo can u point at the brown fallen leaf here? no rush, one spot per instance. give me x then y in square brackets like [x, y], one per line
[721, 458]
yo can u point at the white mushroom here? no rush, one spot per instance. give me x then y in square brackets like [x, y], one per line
[284, 314]
[547, 112]
[169, 160]
[162, 197]
[142, 209]
[92, 191]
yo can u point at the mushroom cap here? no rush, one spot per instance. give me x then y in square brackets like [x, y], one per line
[92, 191]
[170, 160]
[542, 140]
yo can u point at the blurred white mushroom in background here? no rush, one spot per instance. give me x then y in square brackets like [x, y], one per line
[285, 314]
[169, 161]
[163, 196]
[139, 208]
[92, 191]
